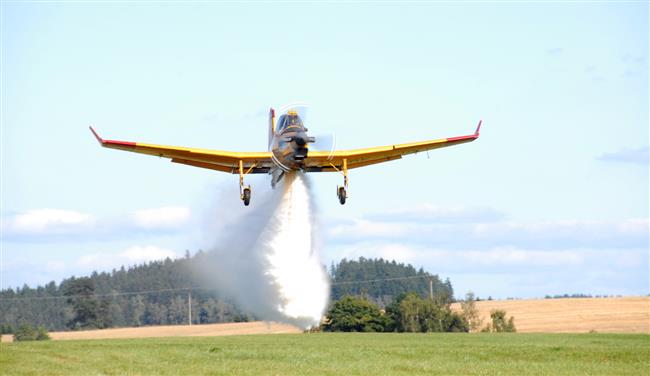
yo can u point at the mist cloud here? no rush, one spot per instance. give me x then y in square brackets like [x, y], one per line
[266, 255]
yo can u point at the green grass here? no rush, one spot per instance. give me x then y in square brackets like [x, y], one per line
[337, 354]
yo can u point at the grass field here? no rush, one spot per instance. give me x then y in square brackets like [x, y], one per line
[337, 354]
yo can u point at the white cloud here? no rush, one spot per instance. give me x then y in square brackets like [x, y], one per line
[164, 217]
[438, 259]
[55, 266]
[146, 253]
[635, 225]
[482, 251]
[133, 255]
[362, 228]
[521, 257]
[60, 224]
[438, 214]
[48, 221]
[637, 156]
[560, 234]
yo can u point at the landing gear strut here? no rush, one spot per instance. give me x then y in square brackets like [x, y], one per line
[341, 192]
[244, 191]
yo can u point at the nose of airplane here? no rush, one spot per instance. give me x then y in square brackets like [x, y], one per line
[300, 139]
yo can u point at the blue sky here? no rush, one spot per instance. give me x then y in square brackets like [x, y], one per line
[553, 198]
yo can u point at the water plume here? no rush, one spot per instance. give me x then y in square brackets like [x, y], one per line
[266, 255]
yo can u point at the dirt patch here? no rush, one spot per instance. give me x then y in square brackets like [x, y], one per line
[578, 315]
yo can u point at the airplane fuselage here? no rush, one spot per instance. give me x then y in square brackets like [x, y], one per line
[289, 146]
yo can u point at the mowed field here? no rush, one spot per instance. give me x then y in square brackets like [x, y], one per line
[573, 315]
[279, 349]
[337, 354]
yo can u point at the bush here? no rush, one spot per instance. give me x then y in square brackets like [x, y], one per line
[352, 314]
[42, 334]
[500, 323]
[25, 332]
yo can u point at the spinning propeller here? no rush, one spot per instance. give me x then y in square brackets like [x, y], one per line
[320, 142]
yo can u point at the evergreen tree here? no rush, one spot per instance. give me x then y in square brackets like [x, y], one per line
[80, 293]
[383, 281]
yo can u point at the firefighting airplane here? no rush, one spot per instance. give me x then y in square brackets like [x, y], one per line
[288, 145]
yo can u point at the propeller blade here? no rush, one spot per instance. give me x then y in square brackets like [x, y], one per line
[325, 143]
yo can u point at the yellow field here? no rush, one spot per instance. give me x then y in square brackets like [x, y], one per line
[205, 330]
[573, 315]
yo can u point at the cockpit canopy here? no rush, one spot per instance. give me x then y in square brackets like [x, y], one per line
[290, 119]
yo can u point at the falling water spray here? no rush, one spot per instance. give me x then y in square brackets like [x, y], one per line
[266, 256]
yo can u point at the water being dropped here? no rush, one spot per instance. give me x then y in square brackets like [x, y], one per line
[266, 256]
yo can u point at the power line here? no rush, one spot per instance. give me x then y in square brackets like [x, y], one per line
[104, 295]
[380, 280]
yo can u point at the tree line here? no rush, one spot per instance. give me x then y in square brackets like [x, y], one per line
[156, 293]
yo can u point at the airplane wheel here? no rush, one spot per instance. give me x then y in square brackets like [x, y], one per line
[342, 195]
[247, 196]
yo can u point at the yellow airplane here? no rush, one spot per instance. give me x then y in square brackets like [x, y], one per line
[288, 151]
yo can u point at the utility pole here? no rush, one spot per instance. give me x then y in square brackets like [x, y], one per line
[189, 307]
[431, 289]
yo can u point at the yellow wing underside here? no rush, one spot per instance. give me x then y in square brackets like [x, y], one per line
[261, 162]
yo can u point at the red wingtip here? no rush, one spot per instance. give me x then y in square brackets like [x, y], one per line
[99, 139]
[478, 129]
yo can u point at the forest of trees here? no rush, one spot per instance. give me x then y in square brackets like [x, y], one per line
[382, 281]
[156, 293]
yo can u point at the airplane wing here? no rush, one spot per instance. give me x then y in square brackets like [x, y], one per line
[256, 162]
[333, 161]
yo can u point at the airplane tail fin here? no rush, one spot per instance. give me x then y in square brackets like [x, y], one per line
[271, 125]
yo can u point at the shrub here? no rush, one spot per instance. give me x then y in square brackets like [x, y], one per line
[42, 334]
[26, 332]
[352, 314]
[500, 323]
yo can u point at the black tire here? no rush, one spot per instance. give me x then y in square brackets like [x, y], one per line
[247, 196]
[342, 195]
